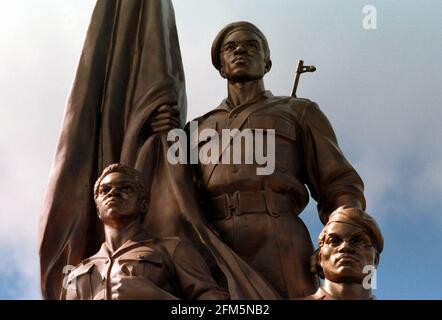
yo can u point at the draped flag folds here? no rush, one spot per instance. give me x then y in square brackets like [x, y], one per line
[130, 65]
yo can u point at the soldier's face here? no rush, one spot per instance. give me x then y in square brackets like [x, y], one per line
[346, 251]
[118, 200]
[242, 57]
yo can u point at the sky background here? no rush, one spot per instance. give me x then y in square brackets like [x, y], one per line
[381, 90]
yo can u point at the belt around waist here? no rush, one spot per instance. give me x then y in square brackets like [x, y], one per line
[241, 202]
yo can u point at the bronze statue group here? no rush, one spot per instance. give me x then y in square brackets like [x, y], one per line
[154, 230]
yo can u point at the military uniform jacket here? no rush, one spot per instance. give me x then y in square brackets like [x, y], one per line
[172, 264]
[257, 215]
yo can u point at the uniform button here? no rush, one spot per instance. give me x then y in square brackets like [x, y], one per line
[235, 169]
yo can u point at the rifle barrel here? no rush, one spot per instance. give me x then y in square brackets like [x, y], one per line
[298, 74]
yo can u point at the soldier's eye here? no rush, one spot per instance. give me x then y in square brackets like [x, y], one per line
[229, 47]
[358, 241]
[252, 45]
[334, 241]
[128, 189]
[104, 189]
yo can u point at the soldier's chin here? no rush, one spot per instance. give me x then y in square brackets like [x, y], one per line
[348, 276]
[240, 77]
[117, 219]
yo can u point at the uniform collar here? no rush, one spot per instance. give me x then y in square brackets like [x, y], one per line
[321, 294]
[226, 105]
[141, 238]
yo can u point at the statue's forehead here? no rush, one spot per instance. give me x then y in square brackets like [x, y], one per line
[116, 177]
[241, 35]
[344, 229]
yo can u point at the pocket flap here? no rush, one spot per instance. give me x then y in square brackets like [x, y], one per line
[143, 256]
[80, 270]
[282, 126]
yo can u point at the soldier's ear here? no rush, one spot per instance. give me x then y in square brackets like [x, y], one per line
[320, 269]
[221, 71]
[98, 212]
[268, 66]
[143, 206]
[377, 258]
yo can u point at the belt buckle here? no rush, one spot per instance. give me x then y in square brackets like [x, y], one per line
[232, 205]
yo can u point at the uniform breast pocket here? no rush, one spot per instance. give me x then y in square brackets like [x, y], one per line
[284, 127]
[143, 264]
[284, 138]
[78, 285]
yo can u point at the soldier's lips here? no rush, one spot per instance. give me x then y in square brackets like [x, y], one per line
[240, 60]
[112, 202]
[346, 259]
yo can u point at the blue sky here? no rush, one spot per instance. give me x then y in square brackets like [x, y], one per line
[379, 88]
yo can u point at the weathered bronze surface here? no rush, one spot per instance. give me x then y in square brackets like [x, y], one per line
[129, 72]
[128, 93]
[130, 66]
[349, 242]
[130, 263]
[262, 225]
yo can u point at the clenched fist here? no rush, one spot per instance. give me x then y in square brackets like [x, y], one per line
[165, 118]
[137, 288]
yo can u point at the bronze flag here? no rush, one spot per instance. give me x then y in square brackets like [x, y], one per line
[130, 65]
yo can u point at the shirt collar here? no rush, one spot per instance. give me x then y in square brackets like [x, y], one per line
[105, 252]
[226, 105]
[321, 294]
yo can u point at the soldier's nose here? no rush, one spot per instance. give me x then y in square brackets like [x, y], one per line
[240, 49]
[113, 192]
[345, 247]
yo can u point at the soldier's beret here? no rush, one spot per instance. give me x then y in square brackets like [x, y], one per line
[229, 29]
[361, 219]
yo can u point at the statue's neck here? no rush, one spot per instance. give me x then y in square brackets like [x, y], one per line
[347, 291]
[243, 92]
[116, 236]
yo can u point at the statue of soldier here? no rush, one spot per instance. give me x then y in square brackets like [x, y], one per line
[131, 264]
[349, 248]
[258, 215]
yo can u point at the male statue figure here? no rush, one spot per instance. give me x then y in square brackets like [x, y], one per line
[130, 264]
[349, 248]
[257, 215]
